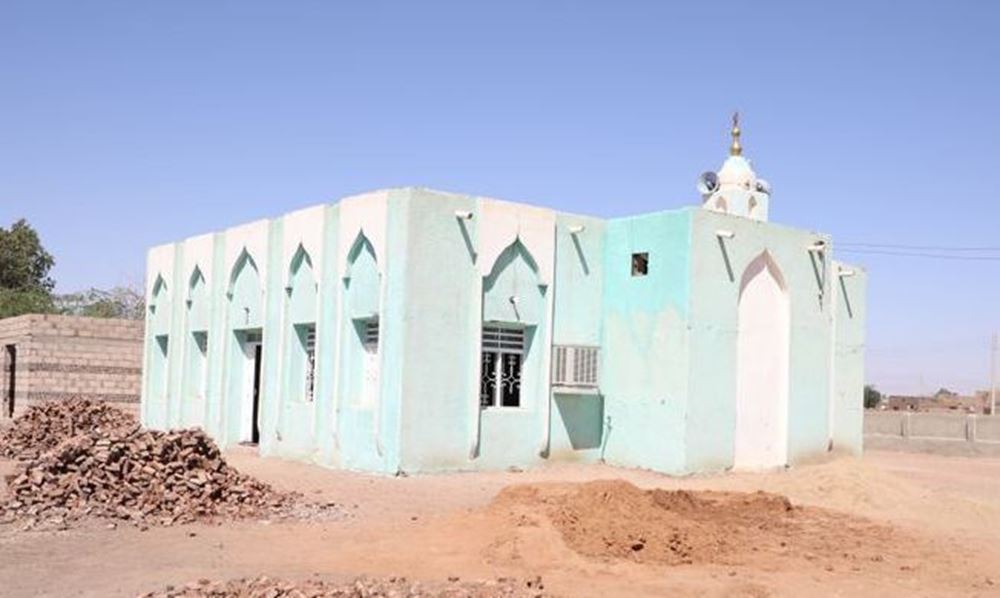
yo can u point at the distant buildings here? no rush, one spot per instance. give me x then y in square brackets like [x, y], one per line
[940, 402]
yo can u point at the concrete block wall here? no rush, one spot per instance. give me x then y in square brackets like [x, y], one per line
[58, 357]
[937, 433]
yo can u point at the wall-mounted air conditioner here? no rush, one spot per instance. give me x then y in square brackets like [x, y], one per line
[575, 366]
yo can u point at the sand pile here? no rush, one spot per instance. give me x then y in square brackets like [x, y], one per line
[42, 427]
[360, 588]
[615, 519]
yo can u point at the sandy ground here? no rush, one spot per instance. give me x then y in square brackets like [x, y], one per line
[940, 517]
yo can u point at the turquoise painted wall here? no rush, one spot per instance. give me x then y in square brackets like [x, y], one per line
[327, 350]
[442, 320]
[667, 341]
[713, 322]
[578, 420]
[849, 359]
[447, 303]
[644, 360]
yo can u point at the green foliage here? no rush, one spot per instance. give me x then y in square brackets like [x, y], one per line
[872, 397]
[25, 284]
[15, 302]
[105, 308]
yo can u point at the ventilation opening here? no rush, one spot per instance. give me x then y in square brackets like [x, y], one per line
[640, 264]
[500, 374]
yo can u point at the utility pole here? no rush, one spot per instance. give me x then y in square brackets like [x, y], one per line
[993, 375]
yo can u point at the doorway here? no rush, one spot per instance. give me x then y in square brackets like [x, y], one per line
[250, 354]
[10, 367]
[255, 428]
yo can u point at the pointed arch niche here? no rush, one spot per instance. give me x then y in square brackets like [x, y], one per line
[300, 328]
[762, 354]
[245, 294]
[196, 366]
[514, 309]
[159, 325]
[245, 320]
[362, 280]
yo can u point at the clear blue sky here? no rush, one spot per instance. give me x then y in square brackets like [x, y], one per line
[128, 124]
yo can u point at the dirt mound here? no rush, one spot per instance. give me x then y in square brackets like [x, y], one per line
[359, 588]
[615, 519]
[42, 427]
[144, 477]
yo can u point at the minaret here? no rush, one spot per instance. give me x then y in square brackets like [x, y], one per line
[735, 188]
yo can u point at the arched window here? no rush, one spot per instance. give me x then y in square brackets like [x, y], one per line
[300, 333]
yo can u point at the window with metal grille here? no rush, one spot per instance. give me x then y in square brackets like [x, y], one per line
[575, 366]
[371, 335]
[310, 347]
[199, 363]
[500, 373]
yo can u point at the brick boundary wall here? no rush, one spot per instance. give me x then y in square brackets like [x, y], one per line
[58, 357]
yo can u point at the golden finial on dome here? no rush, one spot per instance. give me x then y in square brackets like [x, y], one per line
[735, 149]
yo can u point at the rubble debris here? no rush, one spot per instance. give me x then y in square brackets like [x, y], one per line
[116, 470]
[42, 427]
[363, 587]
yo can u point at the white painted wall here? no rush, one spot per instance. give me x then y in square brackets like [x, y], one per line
[761, 439]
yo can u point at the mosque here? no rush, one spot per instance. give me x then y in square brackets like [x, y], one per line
[416, 330]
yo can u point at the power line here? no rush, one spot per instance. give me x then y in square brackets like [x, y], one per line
[916, 247]
[940, 256]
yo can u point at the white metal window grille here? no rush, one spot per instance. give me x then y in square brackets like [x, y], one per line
[310, 362]
[500, 368]
[575, 366]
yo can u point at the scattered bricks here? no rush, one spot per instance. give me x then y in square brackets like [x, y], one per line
[363, 587]
[104, 465]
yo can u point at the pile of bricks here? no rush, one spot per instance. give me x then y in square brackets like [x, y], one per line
[145, 477]
[42, 427]
[503, 587]
[104, 465]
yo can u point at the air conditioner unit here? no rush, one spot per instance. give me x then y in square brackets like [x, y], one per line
[575, 366]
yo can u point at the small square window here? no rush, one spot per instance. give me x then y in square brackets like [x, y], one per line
[640, 264]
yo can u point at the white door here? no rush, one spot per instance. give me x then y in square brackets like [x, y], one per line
[761, 439]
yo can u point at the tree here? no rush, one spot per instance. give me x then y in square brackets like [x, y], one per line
[120, 302]
[25, 284]
[872, 397]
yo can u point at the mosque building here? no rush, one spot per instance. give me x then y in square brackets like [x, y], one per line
[416, 330]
